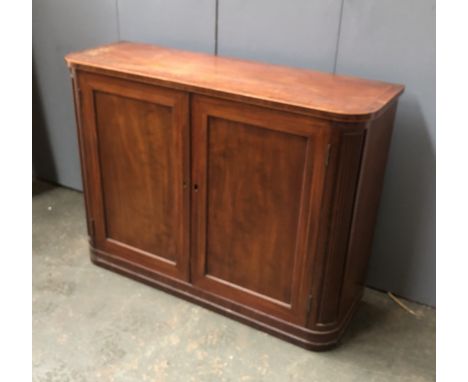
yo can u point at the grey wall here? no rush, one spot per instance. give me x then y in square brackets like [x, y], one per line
[298, 33]
[60, 27]
[395, 41]
[391, 40]
[183, 24]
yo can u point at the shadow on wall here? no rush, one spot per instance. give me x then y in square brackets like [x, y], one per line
[43, 165]
[405, 233]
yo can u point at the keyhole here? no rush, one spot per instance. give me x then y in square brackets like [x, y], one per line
[195, 187]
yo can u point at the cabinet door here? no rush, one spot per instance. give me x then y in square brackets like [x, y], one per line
[135, 141]
[257, 180]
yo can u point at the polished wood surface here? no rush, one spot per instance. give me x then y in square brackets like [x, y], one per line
[140, 158]
[249, 189]
[325, 94]
[138, 173]
[256, 172]
[369, 188]
[343, 172]
[252, 217]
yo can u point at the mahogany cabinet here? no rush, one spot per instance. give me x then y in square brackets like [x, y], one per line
[250, 189]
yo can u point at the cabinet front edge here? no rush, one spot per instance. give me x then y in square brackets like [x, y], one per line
[245, 98]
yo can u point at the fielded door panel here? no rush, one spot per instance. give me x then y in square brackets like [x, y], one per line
[136, 139]
[257, 177]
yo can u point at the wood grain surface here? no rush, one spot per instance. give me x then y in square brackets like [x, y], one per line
[325, 94]
[251, 189]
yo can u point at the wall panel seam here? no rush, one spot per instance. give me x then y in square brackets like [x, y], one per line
[340, 20]
[117, 13]
[216, 27]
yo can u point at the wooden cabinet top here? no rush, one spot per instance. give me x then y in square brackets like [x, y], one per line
[321, 94]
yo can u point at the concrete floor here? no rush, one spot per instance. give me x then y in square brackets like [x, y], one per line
[90, 324]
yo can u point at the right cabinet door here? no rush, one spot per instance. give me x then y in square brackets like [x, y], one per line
[257, 179]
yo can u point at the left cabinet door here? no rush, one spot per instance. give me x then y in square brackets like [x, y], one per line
[135, 155]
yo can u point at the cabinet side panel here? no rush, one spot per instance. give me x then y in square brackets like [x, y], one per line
[346, 165]
[367, 201]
